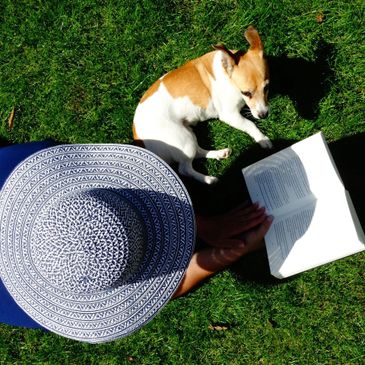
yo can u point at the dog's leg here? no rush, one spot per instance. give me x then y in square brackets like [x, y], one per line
[186, 169]
[216, 154]
[236, 120]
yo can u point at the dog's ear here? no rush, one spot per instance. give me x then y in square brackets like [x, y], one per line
[229, 59]
[254, 39]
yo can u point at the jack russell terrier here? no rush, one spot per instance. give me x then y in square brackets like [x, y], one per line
[216, 85]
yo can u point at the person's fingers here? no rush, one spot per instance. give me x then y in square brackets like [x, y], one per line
[265, 226]
[247, 213]
[259, 232]
[245, 223]
[235, 227]
[247, 238]
[219, 230]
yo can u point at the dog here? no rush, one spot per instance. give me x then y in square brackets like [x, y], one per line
[215, 85]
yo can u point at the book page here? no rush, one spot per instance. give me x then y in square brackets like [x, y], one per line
[278, 182]
[320, 168]
[312, 236]
[293, 176]
[286, 230]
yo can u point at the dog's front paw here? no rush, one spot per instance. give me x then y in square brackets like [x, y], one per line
[224, 153]
[210, 180]
[265, 143]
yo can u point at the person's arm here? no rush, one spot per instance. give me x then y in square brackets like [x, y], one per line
[247, 237]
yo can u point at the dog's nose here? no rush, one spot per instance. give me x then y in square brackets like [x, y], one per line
[263, 115]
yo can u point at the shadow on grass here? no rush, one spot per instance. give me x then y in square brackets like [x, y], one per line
[306, 83]
[4, 142]
[348, 154]
[231, 191]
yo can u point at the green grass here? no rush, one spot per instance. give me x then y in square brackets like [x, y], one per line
[75, 70]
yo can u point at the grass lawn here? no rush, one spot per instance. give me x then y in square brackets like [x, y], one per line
[74, 71]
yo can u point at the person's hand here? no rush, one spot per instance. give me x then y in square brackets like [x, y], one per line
[241, 226]
[254, 225]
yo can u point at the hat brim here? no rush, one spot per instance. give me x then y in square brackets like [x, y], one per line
[149, 184]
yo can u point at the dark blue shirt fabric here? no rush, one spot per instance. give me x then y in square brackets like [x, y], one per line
[10, 157]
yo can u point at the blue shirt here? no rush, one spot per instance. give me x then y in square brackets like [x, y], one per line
[10, 157]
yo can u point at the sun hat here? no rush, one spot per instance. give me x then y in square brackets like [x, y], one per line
[94, 239]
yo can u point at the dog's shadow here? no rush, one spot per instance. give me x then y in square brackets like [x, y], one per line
[231, 190]
[304, 82]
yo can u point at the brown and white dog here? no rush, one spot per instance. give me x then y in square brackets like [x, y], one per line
[216, 85]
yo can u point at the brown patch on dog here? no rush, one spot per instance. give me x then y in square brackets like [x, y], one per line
[154, 87]
[253, 39]
[254, 61]
[136, 141]
[252, 75]
[192, 80]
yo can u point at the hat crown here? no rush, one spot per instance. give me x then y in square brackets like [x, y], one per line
[88, 241]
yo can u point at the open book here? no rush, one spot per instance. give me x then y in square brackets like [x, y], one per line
[314, 219]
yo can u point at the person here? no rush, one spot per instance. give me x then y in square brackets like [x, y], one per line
[96, 239]
[228, 237]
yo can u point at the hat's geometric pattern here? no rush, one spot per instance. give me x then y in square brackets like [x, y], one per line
[143, 277]
[88, 241]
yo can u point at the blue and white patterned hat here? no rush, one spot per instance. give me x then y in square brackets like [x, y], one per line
[94, 239]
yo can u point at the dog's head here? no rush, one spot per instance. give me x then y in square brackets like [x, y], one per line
[249, 73]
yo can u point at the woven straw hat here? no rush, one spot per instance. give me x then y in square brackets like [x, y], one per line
[94, 239]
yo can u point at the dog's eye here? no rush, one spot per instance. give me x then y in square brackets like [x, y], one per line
[247, 94]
